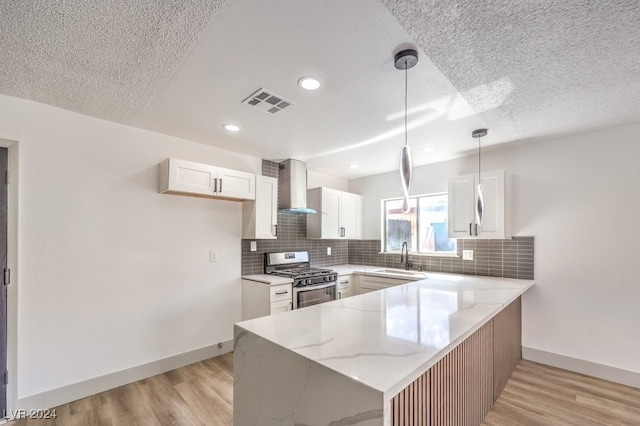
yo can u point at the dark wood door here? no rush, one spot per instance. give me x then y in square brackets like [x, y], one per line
[3, 288]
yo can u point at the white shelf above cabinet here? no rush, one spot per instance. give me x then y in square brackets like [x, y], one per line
[339, 214]
[496, 223]
[183, 177]
[260, 217]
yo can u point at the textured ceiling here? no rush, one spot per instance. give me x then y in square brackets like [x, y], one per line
[529, 70]
[104, 58]
[535, 69]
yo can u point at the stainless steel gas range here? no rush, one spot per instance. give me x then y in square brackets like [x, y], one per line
[310, 285]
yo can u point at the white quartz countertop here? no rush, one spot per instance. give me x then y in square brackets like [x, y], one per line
[386, 339]
[340, 269]
[349, 269]
[268, 279]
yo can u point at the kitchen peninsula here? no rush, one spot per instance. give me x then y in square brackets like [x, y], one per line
[439, 348]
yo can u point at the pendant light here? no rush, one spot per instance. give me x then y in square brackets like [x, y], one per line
[478, 134]
[404, 60]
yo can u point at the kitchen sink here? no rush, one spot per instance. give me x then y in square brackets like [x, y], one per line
[401, 272]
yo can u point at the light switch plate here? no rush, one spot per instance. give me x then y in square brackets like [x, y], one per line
[254, 245]
[467, 254]
[328, 251]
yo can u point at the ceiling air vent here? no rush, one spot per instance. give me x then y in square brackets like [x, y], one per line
[266, 101]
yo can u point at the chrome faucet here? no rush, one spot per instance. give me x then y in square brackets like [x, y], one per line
[404, 256]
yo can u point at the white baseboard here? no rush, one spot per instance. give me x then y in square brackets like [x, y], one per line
[613, 374]
[54, 397]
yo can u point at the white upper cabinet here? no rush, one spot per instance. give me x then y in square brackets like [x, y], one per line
[339, 214]
[190, 178]
[496, 223]
[351, 216]
[260, 217]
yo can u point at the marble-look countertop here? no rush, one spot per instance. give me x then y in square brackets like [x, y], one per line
[340, 269]
[349, 269]
[268, 279]
[386, 339]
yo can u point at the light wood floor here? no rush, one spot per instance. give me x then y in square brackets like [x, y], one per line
[201, 394]
[537, 394]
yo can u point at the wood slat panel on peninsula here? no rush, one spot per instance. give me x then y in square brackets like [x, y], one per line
[461, 387]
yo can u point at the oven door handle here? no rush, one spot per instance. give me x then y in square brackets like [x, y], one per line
[314, 286]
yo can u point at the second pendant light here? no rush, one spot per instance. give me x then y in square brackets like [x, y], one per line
[478, 134]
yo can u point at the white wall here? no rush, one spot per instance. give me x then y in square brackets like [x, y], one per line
[580, 198]
[315, 179]
[112, 274]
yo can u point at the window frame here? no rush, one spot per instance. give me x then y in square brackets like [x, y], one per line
[383, 227]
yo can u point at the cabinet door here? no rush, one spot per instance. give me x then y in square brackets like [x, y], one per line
[493, 193]
[351, 216]
[189, 177]
[343, 294]
[330, 213]
[236, 184]
[462, 199]
[260, 217]
[280, 306]
[461, 210]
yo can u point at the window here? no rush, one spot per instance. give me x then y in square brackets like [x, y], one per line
[424, 228]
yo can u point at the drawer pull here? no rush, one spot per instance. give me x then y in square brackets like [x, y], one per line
[282, 292]
[344, 282]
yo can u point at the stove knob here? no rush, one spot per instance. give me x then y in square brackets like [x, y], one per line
[308, 281]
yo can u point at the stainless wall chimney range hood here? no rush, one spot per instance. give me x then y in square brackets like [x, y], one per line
[292, 187]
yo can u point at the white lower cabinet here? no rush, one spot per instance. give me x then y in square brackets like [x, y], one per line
[344, 286]
[260, 299]
[369, 283]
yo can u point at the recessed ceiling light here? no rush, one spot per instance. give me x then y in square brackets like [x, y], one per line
[309, 83]
[354, 166]
[231, 127]
[428, 148]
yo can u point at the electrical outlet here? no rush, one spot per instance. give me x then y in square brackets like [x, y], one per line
[213, 256]
[254, 245]
[328, 251]
[467, 254]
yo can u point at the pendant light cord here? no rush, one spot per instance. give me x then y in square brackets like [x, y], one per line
[406, 67]
[479, 151]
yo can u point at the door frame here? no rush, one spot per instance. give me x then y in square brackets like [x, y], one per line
[12, 263]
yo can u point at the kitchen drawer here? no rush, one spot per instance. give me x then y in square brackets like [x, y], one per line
[344, 286]
[280, 293]
[343, 283]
